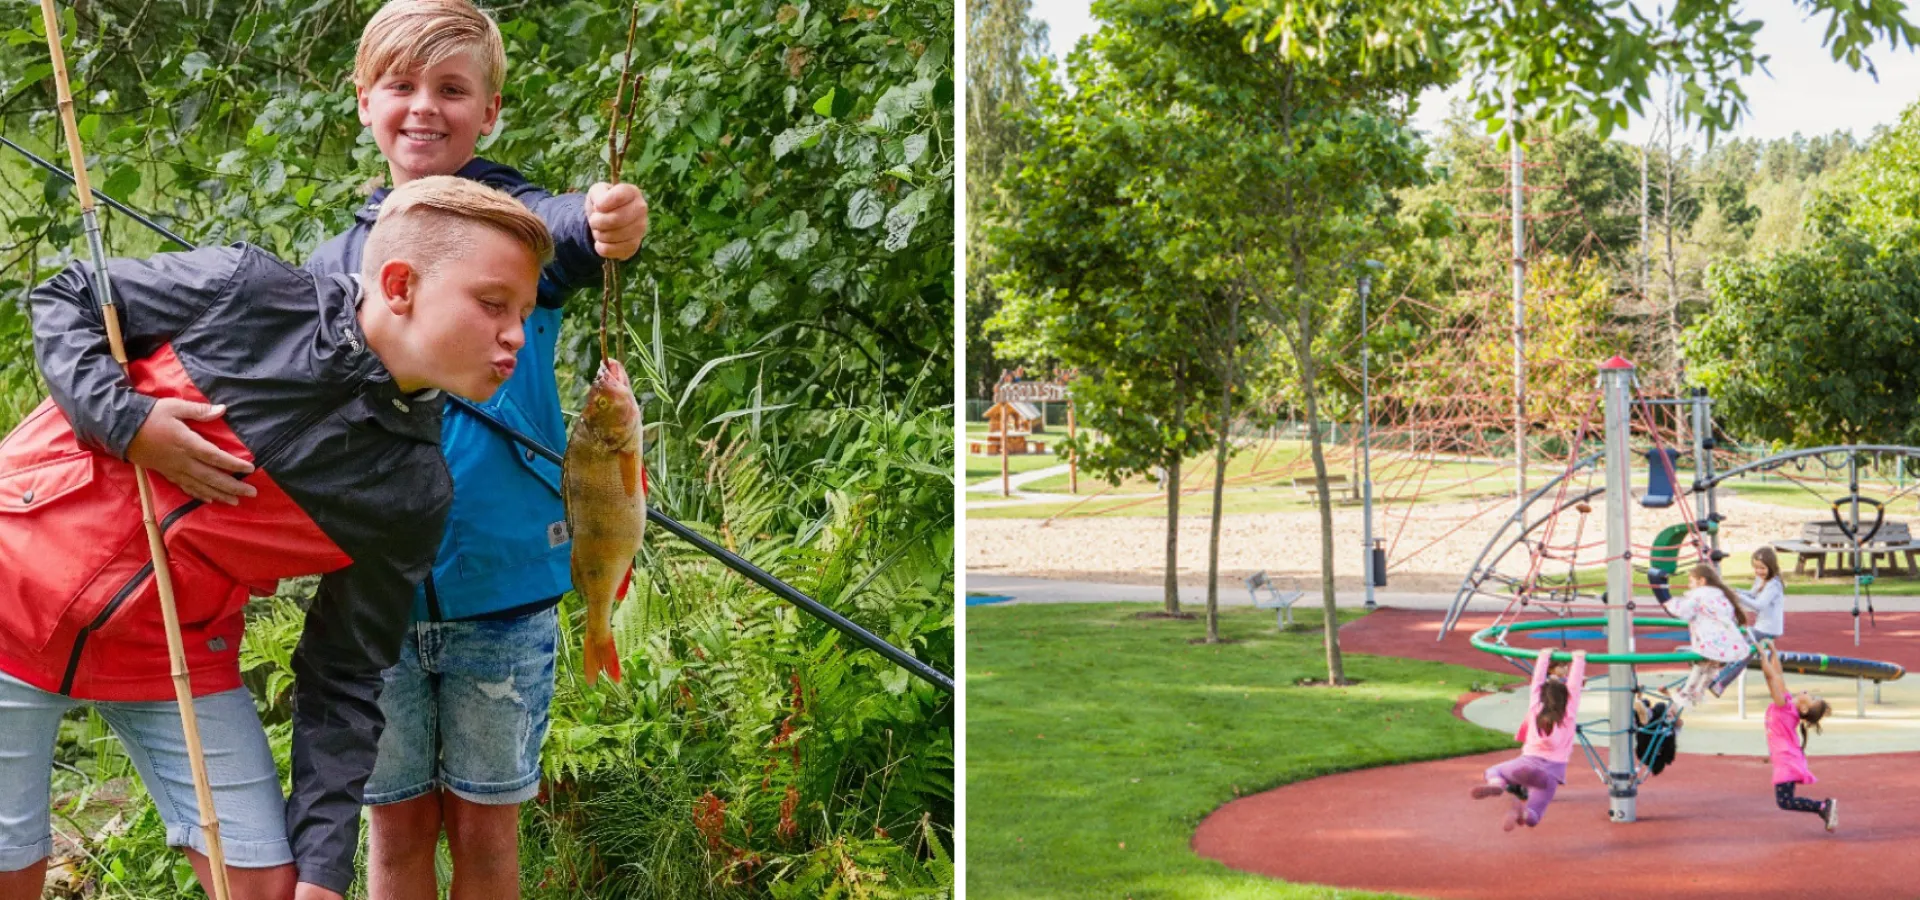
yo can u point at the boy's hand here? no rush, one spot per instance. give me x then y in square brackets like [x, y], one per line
[617, 214]
[165, 445]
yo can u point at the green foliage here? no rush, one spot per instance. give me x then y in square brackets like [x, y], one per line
[796, 741]
[1001, 38]
[1816, 346]
[1078, 283]
[1561, 62]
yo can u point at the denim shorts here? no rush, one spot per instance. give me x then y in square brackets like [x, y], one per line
[466, 709]
[246, 786]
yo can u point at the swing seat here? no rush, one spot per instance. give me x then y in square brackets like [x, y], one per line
[1660, 478]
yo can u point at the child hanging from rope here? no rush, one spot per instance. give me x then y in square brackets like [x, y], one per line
[1768, 604]
[1540, 769]
[1713, 630]
[1788, 754]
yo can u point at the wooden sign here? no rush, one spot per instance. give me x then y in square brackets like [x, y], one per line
[1030, 392]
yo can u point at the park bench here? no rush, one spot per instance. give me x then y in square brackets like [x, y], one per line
[1343, 490]
[1820, 539]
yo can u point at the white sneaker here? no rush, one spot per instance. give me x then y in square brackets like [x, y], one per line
[1832, 815]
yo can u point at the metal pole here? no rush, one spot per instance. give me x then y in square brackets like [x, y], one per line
[1703, 468]
[1366, 448]
[1519, 308]
[156, 541]
[1853, 489]
[1616, 377]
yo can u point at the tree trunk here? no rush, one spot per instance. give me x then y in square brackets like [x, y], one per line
[1303, 353]
[1220, 471]
[1336, 669]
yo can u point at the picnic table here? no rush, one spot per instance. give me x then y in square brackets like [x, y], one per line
[1884, 553]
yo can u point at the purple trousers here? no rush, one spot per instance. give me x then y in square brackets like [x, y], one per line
[1541, 777]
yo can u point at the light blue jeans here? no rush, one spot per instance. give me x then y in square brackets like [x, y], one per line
[466, 710]
[246, 786]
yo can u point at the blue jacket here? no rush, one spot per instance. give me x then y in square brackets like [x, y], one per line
[506, 550]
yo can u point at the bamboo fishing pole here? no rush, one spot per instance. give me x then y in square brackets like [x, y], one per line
[156, 544]
[619, 137]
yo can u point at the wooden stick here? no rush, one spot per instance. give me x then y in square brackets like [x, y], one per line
[619, 132]
[156, 542]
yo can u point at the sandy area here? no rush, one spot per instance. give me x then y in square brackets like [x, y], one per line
[1429, 549]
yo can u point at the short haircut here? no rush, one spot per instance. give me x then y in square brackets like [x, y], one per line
[415, 35]
[429, 221]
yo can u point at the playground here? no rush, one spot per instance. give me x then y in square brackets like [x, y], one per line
[1374, 796]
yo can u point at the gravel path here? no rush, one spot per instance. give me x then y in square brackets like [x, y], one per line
[1429, 549]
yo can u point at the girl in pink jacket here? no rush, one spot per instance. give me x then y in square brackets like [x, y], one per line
[1548, 733]
[1788, 750]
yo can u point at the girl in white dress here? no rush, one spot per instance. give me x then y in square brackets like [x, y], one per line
[1713, 618]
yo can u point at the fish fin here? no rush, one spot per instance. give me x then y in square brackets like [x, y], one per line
[630, 477]
[643, 481]
[626, 581]
[600, 656]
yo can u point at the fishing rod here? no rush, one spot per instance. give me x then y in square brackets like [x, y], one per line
[156, 539]
[732, 560]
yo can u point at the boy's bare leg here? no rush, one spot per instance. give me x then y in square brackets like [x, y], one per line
[485, 843]
[400, 843]
[275, 883]
[25, 884]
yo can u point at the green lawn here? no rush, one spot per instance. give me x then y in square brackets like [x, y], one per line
[980, 468]
[1788, 494]
[1096, 741]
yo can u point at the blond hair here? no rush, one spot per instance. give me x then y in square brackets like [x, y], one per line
[429, 221]
[416, 35]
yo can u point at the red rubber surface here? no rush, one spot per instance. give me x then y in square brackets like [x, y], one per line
[1707, 827]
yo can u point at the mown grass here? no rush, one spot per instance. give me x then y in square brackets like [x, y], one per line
[1097, 740]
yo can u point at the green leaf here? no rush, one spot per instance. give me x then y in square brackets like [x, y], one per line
[123, 182]
[89, 125]
[34, 74]
[195, 63]
[836, 103]
[864, 209]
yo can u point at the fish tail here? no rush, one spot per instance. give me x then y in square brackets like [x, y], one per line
[598, 654]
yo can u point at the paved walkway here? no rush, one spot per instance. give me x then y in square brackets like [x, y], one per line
[1233, 592]
[1018, 480]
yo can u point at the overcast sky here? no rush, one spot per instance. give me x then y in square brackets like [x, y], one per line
[1807, 91]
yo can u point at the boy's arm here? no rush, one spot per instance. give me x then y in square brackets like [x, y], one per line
[155, 298]
[574, 264]
[607, 222]
[353, 632]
